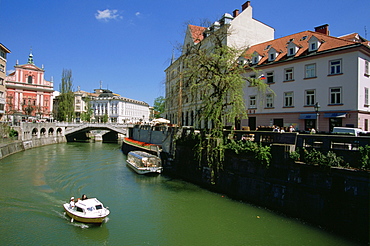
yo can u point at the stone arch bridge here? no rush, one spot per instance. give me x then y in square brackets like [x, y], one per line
[29, 131]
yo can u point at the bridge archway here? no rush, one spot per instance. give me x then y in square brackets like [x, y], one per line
[43, 131]
[82, 132]
[35, 132]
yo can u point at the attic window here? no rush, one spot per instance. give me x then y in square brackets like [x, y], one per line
[290, 40]
[303, 38]
[267, 47]
[255, 59]
[272, 57]
[291, 51]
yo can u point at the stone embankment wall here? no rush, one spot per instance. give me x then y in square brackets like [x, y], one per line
[334, 198]
[17, 146]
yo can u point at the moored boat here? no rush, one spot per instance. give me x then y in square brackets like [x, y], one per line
[89, 210]
[143, 163]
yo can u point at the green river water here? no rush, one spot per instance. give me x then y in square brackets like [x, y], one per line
[145, 210]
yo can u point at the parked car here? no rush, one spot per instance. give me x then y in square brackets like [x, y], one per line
[348, 131]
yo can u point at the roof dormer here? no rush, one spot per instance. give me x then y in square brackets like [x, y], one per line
[256, 58]
[313, 44]
[292, 49]
[272, 53]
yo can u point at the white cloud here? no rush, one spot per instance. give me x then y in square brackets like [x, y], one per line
[107, 14]
[137, 13]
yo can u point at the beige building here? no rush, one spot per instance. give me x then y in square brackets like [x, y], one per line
[239, 30]
[3, 54]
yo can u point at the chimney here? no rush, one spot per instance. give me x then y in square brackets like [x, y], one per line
[236, 13]
[246, 5]
[324, 29]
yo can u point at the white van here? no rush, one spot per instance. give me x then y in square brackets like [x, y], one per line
[348, 131]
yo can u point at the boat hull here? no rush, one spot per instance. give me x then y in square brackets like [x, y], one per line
[80, 218]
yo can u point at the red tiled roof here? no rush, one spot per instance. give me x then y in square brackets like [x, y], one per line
[197, 33]
[301, 40]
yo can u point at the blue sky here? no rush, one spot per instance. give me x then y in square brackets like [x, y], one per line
[128, 44]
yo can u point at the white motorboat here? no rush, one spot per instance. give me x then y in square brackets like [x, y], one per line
[143, 163]
[90, 210]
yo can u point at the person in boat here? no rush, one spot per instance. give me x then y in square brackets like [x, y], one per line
[72, 202]
[84, 197]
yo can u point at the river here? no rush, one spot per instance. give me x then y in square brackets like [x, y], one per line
[145, 210]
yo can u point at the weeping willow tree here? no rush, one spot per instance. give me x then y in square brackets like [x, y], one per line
[216, 81]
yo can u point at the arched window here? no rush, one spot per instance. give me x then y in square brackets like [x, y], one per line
[29, 79]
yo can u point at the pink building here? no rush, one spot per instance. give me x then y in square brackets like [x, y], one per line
[27, 92]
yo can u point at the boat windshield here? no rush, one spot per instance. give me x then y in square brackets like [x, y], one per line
[99, 206]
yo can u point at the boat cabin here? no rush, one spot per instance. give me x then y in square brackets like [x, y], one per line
[88, 205]
[143, 159]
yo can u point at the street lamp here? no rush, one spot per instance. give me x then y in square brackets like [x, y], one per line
[317, 108]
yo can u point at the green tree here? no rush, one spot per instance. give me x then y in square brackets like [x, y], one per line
[86, 116]
[216, 81]
[105, 118]
[66, 97]
[159, 106]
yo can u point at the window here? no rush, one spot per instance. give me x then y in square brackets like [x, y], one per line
[291, 51]
[335, 95]
[252, 102]
[2, 54]
[288, 74]
[366, 96]
[270, 77]
[367, 68]
[29, 81]
[310, 71]
[313, 46]
[272, 57]
[310, 97]
[2, 68]
[288, 99]
[335, 67]
[269, 101]
[1, 81]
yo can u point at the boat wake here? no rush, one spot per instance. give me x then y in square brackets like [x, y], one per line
[64, 216]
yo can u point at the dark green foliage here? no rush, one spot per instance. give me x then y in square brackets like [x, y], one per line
[330, 159]
[159, 106]
[66, 98]
[260, 153]
[365, 157]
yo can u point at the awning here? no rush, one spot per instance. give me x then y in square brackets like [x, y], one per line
[335, 115]
[307, 116]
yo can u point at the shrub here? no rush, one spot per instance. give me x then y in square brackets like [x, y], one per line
[365, 158]
[261, 153]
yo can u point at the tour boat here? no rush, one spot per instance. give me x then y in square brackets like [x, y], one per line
[143, 163]
[89, 210]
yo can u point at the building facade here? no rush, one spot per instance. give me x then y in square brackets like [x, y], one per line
[118, 109]
[239, 30]
[82, 104]
[3, 54]
[316, 81]
[28, 94]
